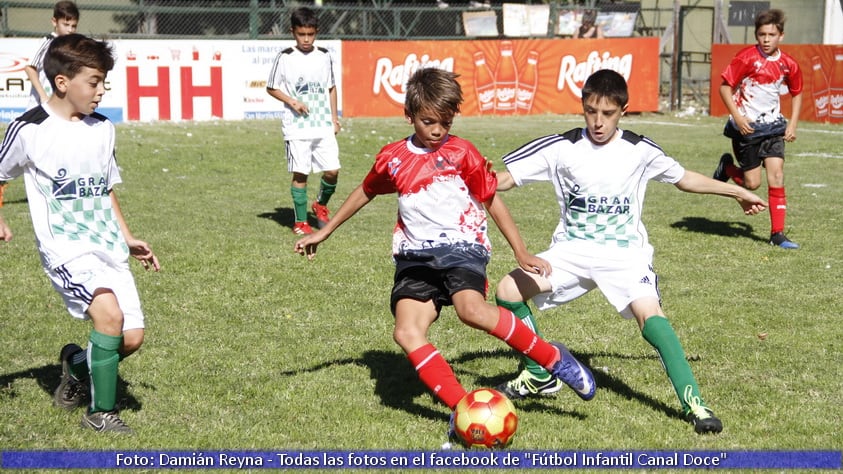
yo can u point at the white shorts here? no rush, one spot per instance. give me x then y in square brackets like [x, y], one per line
[623, 275]
[313, 156]
[77, 280]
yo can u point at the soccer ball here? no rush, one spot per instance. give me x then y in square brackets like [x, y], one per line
[485, 418]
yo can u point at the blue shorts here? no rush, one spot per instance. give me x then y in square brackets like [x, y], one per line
[423, 282]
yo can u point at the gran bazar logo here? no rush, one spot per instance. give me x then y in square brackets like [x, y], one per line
[392, 78]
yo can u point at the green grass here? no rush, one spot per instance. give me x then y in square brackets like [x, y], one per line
[250, 346]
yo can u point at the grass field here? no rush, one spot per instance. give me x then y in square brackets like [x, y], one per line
[250, 346]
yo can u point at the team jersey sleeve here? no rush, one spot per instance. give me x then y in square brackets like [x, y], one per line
[794, 79]
[735, 71]
[276, 74]
[665, 169]
[377, 180]
[481, 182]
[13, 159]
[534, 161]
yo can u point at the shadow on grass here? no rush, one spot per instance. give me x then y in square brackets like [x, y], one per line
[725, 229]
[285, 216]
[48, 376]
[397, 385]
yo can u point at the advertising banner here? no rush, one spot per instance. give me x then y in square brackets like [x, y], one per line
[822, 77]
[170, 79]
[501, 77]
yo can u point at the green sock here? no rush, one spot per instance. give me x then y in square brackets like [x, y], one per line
[104, 359]
[299, 203]
[522, 310]
[326, 190]
[659, 333]
[79, 365]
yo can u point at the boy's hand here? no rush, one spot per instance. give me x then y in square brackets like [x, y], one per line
[751, 203]
[532, 264]
[141, 251]
[307, 245]
[742, 123]
[790, 133]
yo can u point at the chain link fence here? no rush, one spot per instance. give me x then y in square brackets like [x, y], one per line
[258, 19]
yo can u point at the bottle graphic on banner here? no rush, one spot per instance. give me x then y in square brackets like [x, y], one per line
[527, 83]
[835, 93]
[506, 81]
[484, 84]
[819, 83]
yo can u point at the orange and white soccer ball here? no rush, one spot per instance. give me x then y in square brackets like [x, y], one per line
[485, 418]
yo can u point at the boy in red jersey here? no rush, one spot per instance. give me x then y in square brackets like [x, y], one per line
[440, 242]
[750, 90]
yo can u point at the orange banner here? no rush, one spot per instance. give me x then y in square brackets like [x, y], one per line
[822, 76]
[499, 77]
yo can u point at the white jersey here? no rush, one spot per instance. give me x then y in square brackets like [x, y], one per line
[600, 188]
[69, 169]
[308, 78]
[38, 63]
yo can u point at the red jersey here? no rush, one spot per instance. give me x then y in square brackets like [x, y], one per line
[758, 80]
[440, 193]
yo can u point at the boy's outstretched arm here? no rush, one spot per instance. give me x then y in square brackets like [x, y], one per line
[527, 261]
[353, 203]
[137, 248]
[694, 182]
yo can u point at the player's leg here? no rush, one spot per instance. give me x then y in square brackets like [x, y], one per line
[776, 196]
[512, 293]
[106, 339]
[472, 309]
[656, 330]
[415, 302]
[299, 164]
[325, 159]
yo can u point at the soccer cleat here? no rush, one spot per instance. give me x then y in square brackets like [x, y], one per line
[105, 421]
[573, 373]
[322, 214]
[526, 385]
[703, 420]
[70, 393]
[780, 240]
[720, 171]
[302, 228]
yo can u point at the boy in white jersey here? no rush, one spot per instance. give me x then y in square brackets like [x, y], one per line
[302, 78]
[600, 175]
[65, 152]
[441, 250]
[751, 91]
[65, 19]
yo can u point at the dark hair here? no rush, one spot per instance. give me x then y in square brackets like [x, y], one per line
[606, 83]
[65, 10]
[68, 54]
[304, 17]
[432, 89]
[770, 17]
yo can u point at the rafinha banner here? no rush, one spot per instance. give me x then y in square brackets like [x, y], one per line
[499, 77]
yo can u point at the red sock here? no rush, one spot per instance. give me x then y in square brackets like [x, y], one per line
[437, 375]
[511, 330]
[735, 173]
[778, 209]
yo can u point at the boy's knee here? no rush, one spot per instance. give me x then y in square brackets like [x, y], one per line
[132, 341]
[507, 289]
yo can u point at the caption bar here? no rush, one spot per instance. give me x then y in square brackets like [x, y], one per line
[420, 459]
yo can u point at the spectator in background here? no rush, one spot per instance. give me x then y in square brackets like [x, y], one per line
[65, 20]
[589, 28]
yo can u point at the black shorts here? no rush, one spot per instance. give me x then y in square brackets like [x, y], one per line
[423, 283]
[751, 150]
[751, 154]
